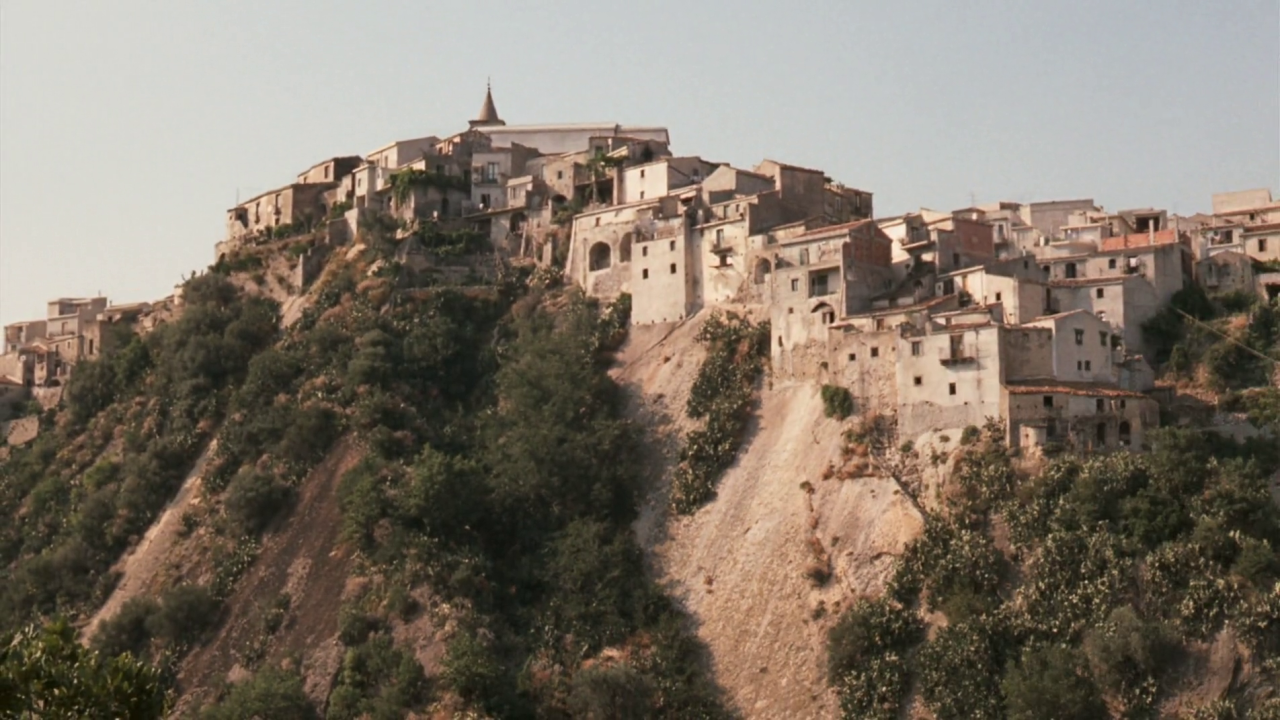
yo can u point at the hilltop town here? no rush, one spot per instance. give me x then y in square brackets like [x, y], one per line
[1028, 312]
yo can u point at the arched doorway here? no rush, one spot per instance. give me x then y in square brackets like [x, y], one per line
[600, 257]
[624, 248]
[763, 271]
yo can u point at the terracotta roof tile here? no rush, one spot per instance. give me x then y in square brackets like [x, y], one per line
[1049, 385]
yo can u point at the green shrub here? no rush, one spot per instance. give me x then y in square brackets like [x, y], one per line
[254, 499]
[959, 570]
[614, 692]
[1051, 681]
[960, 669]
[188, 615]
[377, 681]
[470, 667]
[837, 402]
[127, 631]
[865, 651]
[272, 693]
[1127, 656]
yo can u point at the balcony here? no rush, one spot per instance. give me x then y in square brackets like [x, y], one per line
[958, 355]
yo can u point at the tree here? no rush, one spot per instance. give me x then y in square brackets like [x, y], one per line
[46, 673]
[1052, 681]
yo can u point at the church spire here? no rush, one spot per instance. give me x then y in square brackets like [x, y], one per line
[488, 112]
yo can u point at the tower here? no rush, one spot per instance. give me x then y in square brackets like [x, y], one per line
[488, 112]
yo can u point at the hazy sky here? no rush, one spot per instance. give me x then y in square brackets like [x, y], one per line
[127, 127]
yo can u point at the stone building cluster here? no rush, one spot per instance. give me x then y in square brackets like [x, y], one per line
[1026, 312]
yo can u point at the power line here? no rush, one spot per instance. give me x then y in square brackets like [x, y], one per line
[1226, 337]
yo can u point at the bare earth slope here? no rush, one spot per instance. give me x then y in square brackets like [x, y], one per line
[141, 568]
[739, 564]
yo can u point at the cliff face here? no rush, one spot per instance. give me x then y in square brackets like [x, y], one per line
[741, 564]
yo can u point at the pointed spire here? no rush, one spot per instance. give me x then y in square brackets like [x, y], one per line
[488, 111]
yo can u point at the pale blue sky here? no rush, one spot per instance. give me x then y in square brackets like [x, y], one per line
[126, 127]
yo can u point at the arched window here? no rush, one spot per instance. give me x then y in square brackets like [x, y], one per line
[828, 313]
[1126, 434]
[763, 270]
[600, 257]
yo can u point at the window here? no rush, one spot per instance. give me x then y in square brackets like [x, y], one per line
[491, 171]
[644, 251]
[1088, 366]
[795, 284]
[672, 245]
[1099, 292]
[1048, 401]
[644, 274]
[917, 381]
[326, 172]
[719, 235]
[641, 194]
[673, 268]
[917, 348]
[642, 174]
[804, 257]
[1079, 365]
[1262, 245]
[1122, 404]
[997, 297]
[951, 388]
[559, 174]
[597, 222]
[1102, 338]
[828, 317]
[1100, 404]
[1045, 269]
[1026, 264]
[1070, 270]
[1111, 264]
[875, 352]
[879, 323]
[1079, 336]
[853, 357]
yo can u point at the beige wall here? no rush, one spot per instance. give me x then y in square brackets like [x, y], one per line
[1081, 347]
[1076, 417]
[953, 392]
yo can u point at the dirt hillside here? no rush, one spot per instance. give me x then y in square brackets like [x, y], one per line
[739, 565]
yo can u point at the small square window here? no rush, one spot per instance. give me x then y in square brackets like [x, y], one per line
[875, 352]
[1100, 292]
[673, 268]
[791, 311]
[1048, 401]
[644, 274]
[1079, 336]
[997, 297]
[951, 388]
[1111, 264]
[917, 381]
[853, 356]
[917, 348]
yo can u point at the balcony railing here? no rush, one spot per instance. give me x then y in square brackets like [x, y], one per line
[962, 355]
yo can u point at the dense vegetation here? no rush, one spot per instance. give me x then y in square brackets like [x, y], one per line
[721, 396]
[132, 426]
[1115, 571]
[1224, 343]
